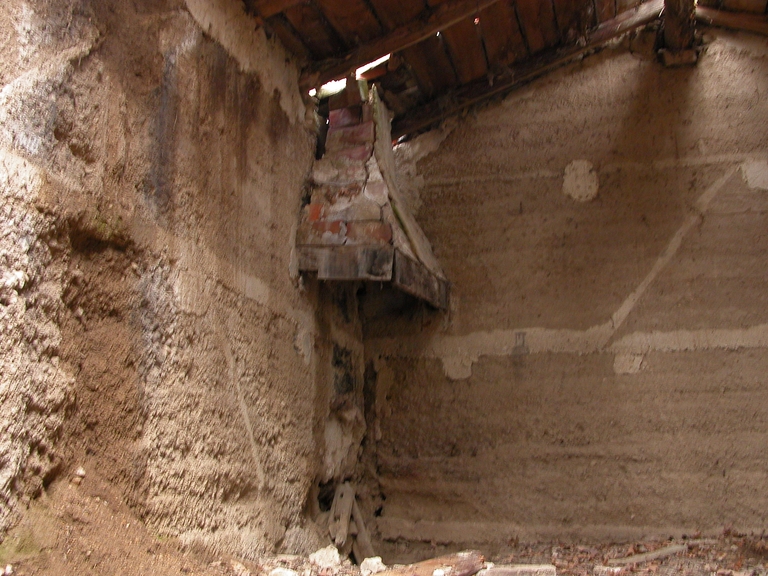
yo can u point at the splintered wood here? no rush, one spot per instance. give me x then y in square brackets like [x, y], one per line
[461, 564]
[346, 526]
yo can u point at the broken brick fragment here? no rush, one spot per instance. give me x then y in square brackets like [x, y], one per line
[369, 232]
[350, 136]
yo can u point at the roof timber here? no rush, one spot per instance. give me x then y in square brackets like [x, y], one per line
[475, 92]
[443, 16]
[733, 20]
[679, 24]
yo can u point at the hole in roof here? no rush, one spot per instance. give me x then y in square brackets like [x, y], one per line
[363, 69]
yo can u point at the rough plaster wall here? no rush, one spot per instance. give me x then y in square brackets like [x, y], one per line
[602, 372]
[151, 332]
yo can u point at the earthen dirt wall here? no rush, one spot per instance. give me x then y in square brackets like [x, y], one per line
[602, 371]
[153, 158]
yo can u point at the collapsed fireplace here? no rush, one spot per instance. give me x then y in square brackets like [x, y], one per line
[356, 225]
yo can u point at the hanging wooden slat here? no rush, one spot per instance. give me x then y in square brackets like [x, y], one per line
[537, 19]
[501, 35]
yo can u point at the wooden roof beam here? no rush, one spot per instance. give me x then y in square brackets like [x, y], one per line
[733, 20]
[268, 8]
[443, 16]
[679, 24]
[469, 94]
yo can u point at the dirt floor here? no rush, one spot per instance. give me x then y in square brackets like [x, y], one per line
[86, 528]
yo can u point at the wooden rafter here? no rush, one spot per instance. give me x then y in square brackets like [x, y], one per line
[679, 24]
[733, 20]
[442, 16]
[268, 8]
[475, 92]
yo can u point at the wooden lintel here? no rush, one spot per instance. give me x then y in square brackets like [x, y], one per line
[470, 94]
[347, 262]
[443, 16]
[733, 20]
[679, 24]
[414, 278]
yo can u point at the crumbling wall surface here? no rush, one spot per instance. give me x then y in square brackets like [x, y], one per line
[151, 332]
[602, 372]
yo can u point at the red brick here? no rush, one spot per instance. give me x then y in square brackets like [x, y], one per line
[350, 136]
[343, 117]
[368, 233]
[321, 233]
[315, 211]
[362, 152]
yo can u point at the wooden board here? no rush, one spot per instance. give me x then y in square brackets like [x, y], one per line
[311, 26]
[501, 34]
[394, 13]
[348, 262]
[288, 36]
[605, 10]
[431, 66]
[537, 19]
[414, 278]
[352, 20]
[465, 47]
[574, 18]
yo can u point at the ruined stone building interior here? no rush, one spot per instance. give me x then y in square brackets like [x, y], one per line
[286, 285]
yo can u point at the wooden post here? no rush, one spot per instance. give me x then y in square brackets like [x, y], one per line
[679, 28]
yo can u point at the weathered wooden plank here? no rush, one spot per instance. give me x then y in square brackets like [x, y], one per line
[501, 34]
[412, 277]
[411, 33]
[348, 262]
[734, 21]
[362, 546]
[537, 19]
[606, 9]
[431, 65]
[756, 6]
[280, 26]
[574, 18]
[679, 24]
[461, 564]
[465, 47]
[352, 20]
[268, 8]
[436, 110]
[309, 23]
[395, 13]
[341, 513]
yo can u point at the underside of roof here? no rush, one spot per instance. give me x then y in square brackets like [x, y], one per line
[449, 54]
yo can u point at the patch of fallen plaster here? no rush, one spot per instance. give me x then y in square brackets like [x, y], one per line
[458, 353]
[458, 367]
[409, 154]
[755, 174]
[580, 181]
[303, 344]
[227, 22]
[627, 363]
